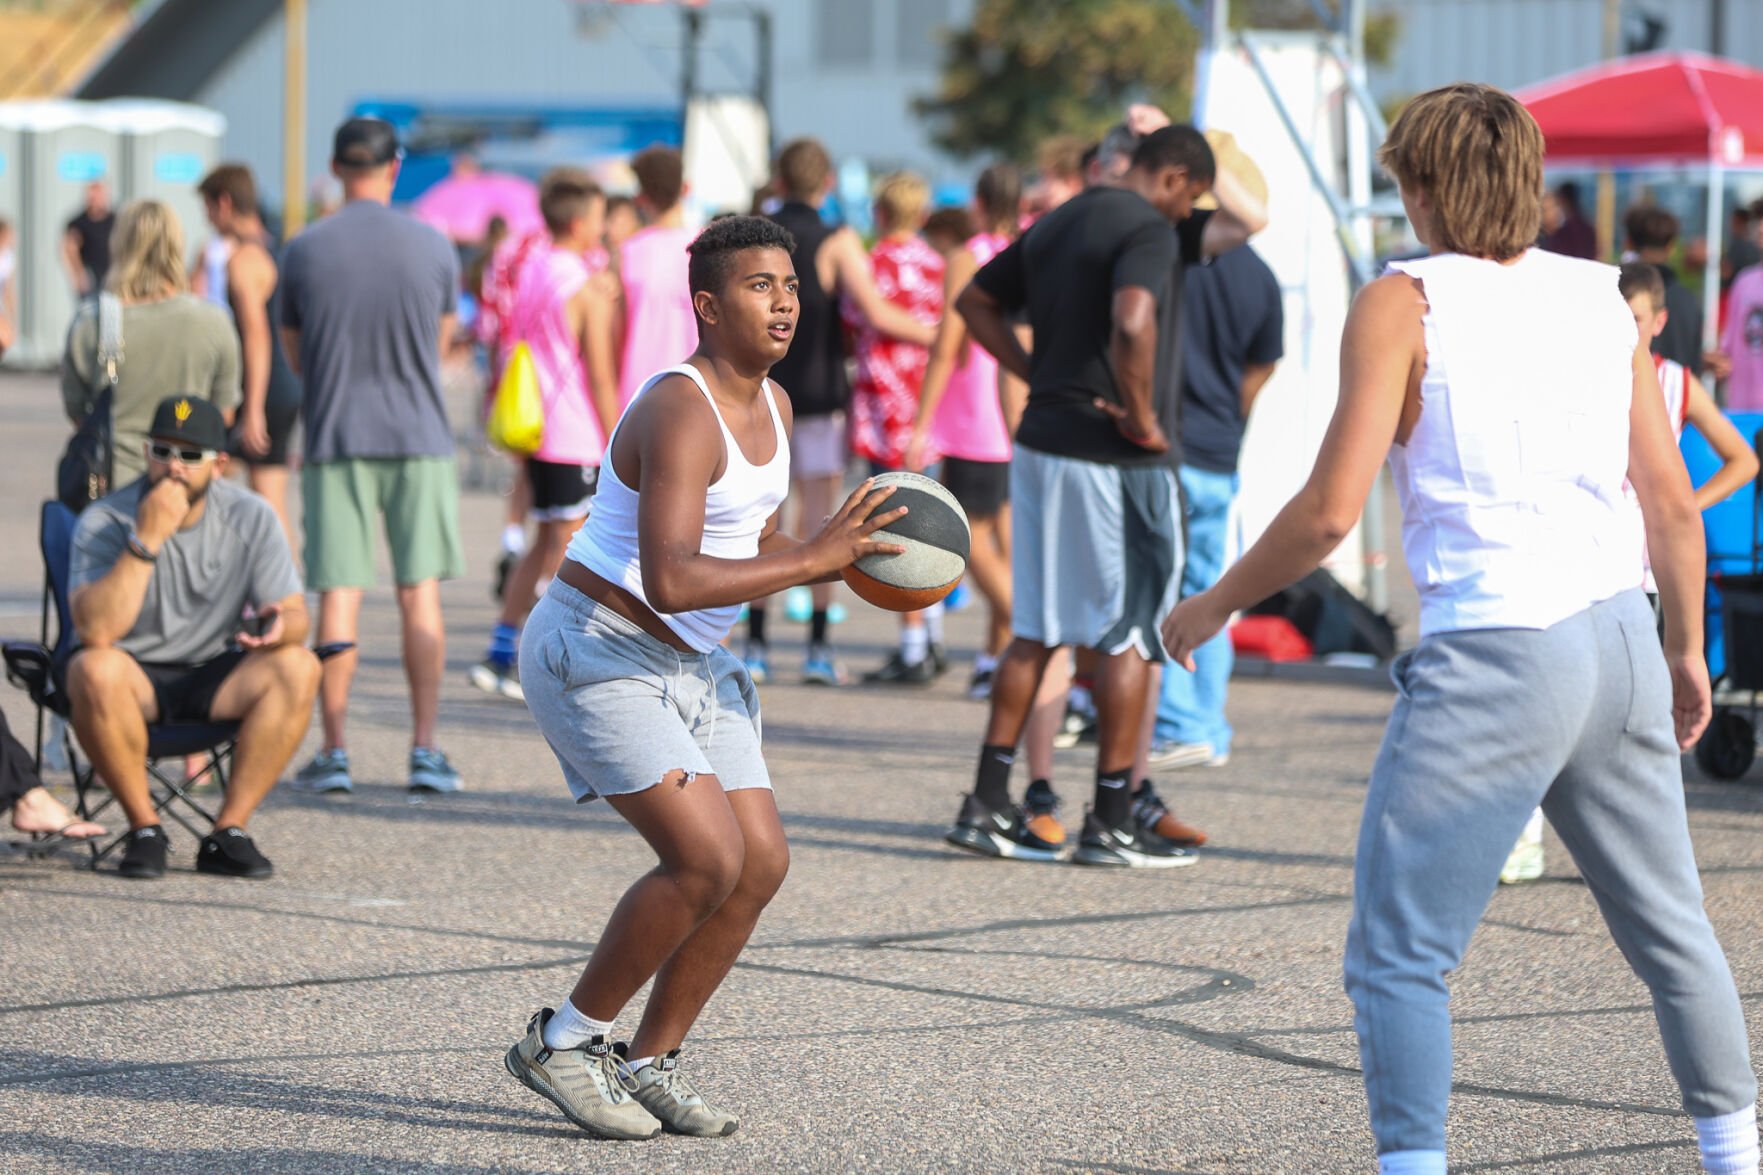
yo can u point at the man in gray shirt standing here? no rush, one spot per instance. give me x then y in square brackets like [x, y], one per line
[367, 296]
[163, 571]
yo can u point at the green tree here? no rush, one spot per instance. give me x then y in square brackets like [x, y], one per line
[1028, 69]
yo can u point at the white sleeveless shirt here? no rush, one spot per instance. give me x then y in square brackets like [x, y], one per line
[735, 511]
[1512, 482]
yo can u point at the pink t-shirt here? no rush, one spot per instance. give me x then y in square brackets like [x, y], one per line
[969, 423]
[661, 329]
[539, 317]
[1742, 340]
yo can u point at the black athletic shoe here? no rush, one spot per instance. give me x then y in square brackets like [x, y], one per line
[231, 853]
[144, 854]
[980, 830]
[897, 672]
[939, 657]
[504, 568]
[1132, 846]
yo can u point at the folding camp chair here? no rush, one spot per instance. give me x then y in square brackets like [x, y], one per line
[40, 668]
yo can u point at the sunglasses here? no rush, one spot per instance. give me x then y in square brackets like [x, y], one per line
[169, 453]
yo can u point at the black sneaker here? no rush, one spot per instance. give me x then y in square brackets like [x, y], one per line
[939, 657]
[230, 853]
[1079, 727]
[1131, 846]
[897, 672]
[144, 854]
[980, 830]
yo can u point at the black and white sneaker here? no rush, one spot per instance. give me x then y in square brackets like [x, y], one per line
[979, 829]
[1132, 846]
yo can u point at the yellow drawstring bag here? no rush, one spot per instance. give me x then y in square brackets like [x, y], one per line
[517, 415]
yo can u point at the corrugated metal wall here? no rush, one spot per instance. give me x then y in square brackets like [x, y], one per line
[1512, 43]
[452, 50]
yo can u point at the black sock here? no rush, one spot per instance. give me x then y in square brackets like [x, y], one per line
[1113, 805]
[756, 625]
[991, 784]
[817, 627]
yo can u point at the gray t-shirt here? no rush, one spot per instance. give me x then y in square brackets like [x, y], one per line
[366, 287]
[236, 554]
[177, 346]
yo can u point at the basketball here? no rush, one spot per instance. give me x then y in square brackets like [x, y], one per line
[935, 535]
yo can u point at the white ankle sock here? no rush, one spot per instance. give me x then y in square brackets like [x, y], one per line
[514, 539]
[1411, 1163]
[567, 1028]
[638, 1062]
[1729, 1142]
[984, 663]
[933, 621]
[914, 644]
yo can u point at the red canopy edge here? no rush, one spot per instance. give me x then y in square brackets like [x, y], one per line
[1654, 108]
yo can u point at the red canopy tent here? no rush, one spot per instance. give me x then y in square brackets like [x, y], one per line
[1659, 111]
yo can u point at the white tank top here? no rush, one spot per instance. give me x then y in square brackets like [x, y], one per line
[736, 508]
[1512, 482]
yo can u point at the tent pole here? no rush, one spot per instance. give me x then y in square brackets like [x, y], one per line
[1711, 267]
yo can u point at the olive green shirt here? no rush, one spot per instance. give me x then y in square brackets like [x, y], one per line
[178, 346]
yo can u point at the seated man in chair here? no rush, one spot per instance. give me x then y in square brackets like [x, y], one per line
[163, 570]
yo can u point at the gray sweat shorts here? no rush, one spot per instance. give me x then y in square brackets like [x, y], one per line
[1095, 552]
[621, 709]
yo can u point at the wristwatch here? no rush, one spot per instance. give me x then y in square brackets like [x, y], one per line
[139, 550]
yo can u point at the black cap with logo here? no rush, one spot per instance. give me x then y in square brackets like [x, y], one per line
[189, 421]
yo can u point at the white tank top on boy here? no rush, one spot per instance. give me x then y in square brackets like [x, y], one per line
[1512, 481]
[735, 511]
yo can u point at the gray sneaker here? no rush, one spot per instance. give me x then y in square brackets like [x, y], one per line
[591, 1084]
[430, 771]
[328, 771]
[665, 1093]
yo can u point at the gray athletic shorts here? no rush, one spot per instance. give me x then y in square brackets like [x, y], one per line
[1095, 552]
[622, 709]
[820, 446]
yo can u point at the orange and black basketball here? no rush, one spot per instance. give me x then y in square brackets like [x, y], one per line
[935, 535]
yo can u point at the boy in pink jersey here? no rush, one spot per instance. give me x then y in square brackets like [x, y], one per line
[659, 328]
[1741, 340]
[890, 371]
[562, 307]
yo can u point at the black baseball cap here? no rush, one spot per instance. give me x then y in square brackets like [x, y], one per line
[365, 142]
[189, 421]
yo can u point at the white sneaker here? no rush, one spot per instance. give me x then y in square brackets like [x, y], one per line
[1174, 754]
[497, 680]
[1525, 862]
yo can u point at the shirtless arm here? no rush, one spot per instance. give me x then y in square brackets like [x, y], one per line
[679, 453]
[1674, 545]
[854, 279]
[1738, 461]
[1380, 350]
[593, 314]
[250, 281]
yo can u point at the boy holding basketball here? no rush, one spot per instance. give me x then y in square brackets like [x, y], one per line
[623, 670]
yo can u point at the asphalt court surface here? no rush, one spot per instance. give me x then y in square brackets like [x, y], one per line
[902, 1007]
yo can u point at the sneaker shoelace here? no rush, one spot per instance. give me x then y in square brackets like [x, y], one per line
[1149, 807]
[620, 1081]
[673, 1083]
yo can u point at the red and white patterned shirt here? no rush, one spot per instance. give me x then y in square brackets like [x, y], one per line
[890, 373]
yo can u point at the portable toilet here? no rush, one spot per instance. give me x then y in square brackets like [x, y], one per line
[167, 147]
[63, 146]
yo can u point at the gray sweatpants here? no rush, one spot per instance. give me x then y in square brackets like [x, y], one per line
[1489, 724]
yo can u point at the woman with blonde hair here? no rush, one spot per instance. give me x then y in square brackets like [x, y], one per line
[173, 343]
[1512, 396]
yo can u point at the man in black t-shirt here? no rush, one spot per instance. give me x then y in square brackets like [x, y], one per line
[1096, 532]
[85, 246]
